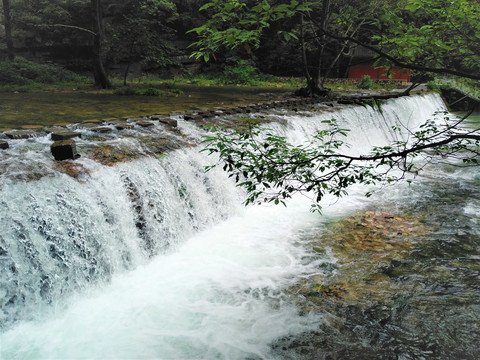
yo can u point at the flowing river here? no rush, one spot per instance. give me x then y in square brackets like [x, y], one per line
[153, 258]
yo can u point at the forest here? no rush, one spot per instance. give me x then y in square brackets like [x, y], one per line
[315, 40]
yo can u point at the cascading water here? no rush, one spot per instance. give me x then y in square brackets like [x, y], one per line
[153, 258]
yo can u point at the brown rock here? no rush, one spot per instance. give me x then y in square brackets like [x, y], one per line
[102, 129]
[168, 121]
[123, 126]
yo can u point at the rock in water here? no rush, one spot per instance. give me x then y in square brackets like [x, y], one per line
[20, 134]
[64, 149]
[144, 123]
[4, 145]
[64, 135]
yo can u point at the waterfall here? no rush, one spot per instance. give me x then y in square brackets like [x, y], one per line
[58, 235]
[154, 258]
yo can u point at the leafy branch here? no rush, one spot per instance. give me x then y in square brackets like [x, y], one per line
[271, 169]
[233, 24]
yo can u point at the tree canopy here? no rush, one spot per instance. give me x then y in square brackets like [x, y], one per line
[429, 36]
[313, 38]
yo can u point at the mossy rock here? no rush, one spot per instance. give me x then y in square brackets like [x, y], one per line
[370, 247]
[159, 145]
[110, 155]
[71, 168]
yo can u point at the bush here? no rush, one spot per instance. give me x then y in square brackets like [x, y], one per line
[130, 91]
[241, 73]
[23, 72]
[176, 91]
[150, 92]
[432, 85]
[366, 83]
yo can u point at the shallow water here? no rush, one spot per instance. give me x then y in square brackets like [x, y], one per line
[40, 108]
[423, 303]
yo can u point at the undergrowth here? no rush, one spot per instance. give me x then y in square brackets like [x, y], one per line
[22, 75]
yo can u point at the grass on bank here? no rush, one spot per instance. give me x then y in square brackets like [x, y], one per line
[25, 76]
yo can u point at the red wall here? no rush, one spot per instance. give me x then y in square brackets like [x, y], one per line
[358, 71]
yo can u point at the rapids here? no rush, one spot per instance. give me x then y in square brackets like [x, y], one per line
[155, 259]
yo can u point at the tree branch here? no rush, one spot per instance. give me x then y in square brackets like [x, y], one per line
[402, 64]
[69, 27]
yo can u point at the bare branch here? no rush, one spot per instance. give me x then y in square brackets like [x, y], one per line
[69, 27]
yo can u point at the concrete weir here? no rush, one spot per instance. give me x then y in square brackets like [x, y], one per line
[157, 131]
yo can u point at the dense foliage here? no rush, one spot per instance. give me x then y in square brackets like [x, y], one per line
[434, 34]
[23, 72]
[318, 39]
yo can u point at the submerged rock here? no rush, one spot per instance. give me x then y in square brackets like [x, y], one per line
[73, 169]
[110, 155]
[87, 125]
[64, 149]
[51, 129]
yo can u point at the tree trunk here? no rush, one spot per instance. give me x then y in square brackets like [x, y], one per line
[130, 59]
[312, 88]
[343, 46]
[99, 73]
[325, 16]
[8, 30]
[304, 52]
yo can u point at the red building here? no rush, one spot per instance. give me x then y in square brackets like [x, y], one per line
[363, 64]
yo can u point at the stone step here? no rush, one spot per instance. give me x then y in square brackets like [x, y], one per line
[64, 135]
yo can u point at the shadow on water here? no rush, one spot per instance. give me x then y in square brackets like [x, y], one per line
[418, 298]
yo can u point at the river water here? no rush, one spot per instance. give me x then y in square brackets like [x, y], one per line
[154, 259]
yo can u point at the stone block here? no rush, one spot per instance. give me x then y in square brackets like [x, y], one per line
[64, 149]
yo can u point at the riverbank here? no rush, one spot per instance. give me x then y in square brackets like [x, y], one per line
[62, 106]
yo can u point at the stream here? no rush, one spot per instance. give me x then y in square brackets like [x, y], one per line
[152, 258]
